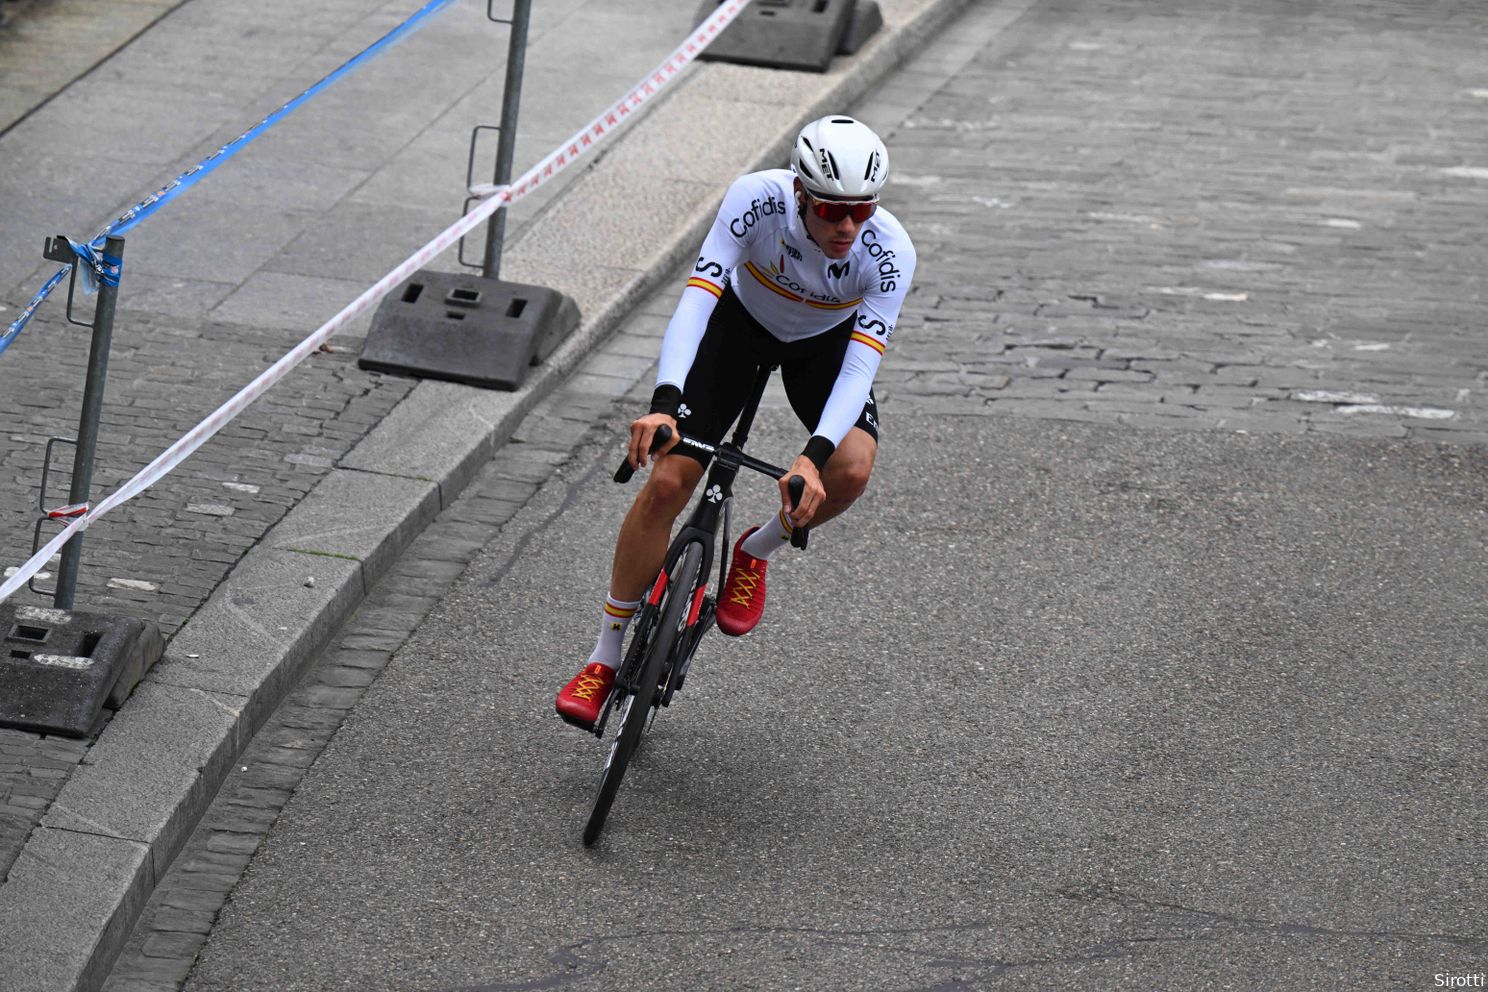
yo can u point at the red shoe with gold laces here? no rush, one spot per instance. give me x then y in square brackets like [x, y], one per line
[742, 602]
[580, 701]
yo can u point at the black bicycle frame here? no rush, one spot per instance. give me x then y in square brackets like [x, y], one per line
[718, 490]
[702, 525]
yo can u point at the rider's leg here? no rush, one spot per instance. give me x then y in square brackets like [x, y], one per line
[640, 551]
[845, 476]
[641, 548]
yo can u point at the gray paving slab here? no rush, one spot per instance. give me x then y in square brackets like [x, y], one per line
[433, 435]
[365, 519]
[44, 48]
[79, 909]
[132, 784]
[249, 639]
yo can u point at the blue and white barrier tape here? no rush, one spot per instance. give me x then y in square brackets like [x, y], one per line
[99, 267]
[194, 175]
[495, 197]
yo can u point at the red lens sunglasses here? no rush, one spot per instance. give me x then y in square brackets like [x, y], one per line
[833, 211]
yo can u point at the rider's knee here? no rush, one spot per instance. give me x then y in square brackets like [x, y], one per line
[668, 488]
[848, 479]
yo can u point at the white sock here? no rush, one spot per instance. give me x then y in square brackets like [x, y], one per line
[770, 538]
[612, 624]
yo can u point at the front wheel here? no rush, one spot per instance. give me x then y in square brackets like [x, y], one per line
[652, 667]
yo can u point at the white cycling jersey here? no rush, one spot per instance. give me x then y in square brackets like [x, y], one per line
[759, 245]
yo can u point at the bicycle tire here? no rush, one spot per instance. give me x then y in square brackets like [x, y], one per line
[637, 707]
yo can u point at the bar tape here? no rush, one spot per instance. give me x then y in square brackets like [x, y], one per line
[206, 166]
[554, 162]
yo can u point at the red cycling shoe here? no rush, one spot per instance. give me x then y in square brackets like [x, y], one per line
[742, 602]
[580, 701]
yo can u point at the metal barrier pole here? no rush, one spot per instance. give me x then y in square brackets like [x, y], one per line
[82, 464]
[506, 145]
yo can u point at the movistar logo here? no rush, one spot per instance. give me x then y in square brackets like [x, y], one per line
[837, 271]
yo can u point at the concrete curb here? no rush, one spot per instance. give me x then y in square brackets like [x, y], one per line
[617, 234]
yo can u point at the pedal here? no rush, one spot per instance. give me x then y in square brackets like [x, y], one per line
[604, 715]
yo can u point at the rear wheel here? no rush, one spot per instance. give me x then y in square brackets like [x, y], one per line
[636, 708]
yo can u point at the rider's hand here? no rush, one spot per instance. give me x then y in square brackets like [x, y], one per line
[811, 500]
[642, 432]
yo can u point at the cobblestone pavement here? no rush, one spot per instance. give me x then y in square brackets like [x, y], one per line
[1246, 219]
[164, 552]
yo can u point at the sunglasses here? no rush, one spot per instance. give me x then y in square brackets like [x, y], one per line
[833, 211]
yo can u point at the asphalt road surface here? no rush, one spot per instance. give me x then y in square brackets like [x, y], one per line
[1067, 706]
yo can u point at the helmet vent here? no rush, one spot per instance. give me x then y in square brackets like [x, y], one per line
[843, 120]
[832, 160]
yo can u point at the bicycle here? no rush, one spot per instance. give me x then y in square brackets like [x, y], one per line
[678, 610]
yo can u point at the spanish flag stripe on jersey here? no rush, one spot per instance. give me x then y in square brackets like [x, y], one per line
[771, 285]
[873, 343]
[765, 281]
[835, 306]
[705, 284]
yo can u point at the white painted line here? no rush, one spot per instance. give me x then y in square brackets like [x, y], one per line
[12, 571]
[1467, 172]
[1347, 225]
[1480, 94]
[1205, 293]
[63, 661]
[137, 584]
[1373, 346]
[43, 614]
[1331, 396]
[1125, 218]
[1418, 412]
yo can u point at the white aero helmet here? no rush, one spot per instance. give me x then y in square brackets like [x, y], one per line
[840, 158]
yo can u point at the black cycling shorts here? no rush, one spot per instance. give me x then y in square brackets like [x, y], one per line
[734, 347]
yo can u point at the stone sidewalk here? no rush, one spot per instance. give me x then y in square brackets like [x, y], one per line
[336, 470]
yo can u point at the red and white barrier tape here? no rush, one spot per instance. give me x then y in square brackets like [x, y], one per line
[495, 198]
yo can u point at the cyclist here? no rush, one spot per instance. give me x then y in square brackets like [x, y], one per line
[801, 269]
